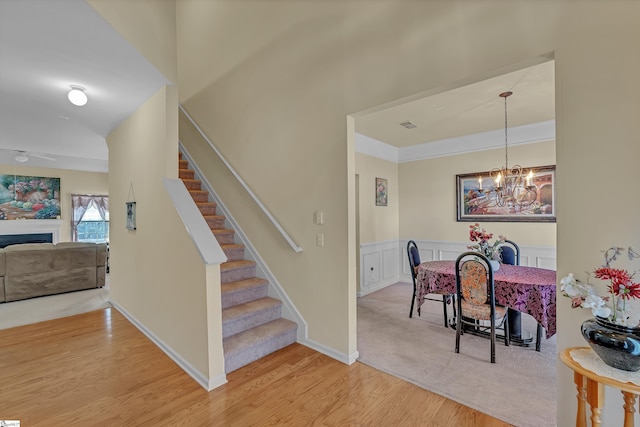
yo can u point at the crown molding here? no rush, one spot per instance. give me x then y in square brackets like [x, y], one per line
[527, 134]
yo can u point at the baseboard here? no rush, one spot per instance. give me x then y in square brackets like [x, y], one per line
[206, 383]
[347, 359]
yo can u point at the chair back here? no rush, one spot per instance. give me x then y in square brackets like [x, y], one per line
[414, 258]
[510, 252]
[474, 279]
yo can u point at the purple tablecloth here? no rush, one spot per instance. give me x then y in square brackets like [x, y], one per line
[530, 290]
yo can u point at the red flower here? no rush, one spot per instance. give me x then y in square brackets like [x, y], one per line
[631, 290]
[621, 284]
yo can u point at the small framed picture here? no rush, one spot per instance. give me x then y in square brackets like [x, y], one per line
[131, 215]
[382, 197]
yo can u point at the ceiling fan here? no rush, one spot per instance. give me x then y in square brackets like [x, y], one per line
[22, 156]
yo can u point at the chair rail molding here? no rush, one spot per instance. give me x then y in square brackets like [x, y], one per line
[385, 263]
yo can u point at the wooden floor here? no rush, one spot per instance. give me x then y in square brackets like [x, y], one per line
[98, 369]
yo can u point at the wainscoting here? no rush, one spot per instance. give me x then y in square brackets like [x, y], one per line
[385, 263]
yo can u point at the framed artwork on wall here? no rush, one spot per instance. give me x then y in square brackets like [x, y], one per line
[479, 198]
[382, 197]
[131, 215]
[29, 197]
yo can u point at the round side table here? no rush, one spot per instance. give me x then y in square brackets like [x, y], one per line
[590, 387]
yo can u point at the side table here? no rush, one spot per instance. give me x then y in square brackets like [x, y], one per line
[590, 387]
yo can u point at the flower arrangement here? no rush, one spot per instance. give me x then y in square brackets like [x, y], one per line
[621, 288]
[483, 245]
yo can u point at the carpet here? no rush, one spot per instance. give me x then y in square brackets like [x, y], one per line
[25, 312]
[520, 388]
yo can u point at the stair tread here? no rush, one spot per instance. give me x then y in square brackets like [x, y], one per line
[234, 265]
[243, 284]
[257, 335]
[222, 231]
[232, 246]
[249, 308]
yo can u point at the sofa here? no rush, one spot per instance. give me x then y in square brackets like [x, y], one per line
[37, 269]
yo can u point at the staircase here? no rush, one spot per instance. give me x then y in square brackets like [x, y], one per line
[252, 326]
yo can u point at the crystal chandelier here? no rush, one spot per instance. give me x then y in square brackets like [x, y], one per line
[511, 189]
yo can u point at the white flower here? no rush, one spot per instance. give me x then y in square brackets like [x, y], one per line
[573, 289]
[628, 318]
[597, 306]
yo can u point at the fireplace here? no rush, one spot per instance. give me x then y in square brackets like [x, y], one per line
[29, 231]
[15, 239]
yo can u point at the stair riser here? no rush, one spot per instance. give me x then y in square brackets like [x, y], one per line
[215, 222]
[253, 353]
[199, 196]
[250, 321]
[234, 254]
[183, 164]
[186, 174]
[192, 184]
[207, 210]
[224, 238]
[237, 274]
[245, 295]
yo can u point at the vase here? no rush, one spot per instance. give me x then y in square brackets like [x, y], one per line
[495, 265]
[618, 346]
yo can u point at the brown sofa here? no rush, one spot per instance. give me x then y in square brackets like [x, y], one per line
[37, 269]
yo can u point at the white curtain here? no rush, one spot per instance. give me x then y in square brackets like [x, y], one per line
[79, 205]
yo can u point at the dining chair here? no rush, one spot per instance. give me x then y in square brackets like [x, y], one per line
[510, 252]
[414, 262]
[476, 299]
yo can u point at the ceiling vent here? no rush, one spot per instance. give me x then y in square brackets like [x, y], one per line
[408, 125]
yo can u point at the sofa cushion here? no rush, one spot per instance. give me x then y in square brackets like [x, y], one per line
[28, 247]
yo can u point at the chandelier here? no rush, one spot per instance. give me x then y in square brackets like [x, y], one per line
[511, 189]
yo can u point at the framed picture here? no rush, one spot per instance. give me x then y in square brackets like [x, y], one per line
[478, 199]
[29, 197]
[131, 215]
[382, 198]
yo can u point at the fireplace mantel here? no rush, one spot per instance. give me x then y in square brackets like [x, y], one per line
[32, 226]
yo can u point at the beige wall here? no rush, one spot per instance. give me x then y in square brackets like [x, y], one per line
[157, 276]
[149, 26]
[71, 182]
[428, 196]
[278, 114]
[377, 223]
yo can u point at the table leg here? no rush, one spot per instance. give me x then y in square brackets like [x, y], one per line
[629, 402]
[515, 324]
[581, 416]
[595, 397]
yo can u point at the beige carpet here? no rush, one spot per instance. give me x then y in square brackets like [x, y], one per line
[18, 313]
[520, 388]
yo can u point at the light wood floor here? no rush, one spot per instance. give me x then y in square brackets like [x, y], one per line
[98, 369]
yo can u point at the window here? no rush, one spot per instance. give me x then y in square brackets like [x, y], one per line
[90, 218]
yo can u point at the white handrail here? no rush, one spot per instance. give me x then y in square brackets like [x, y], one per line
[293, 244]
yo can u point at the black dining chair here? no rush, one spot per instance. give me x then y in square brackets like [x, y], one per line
[414, 262]
[476, 299]
[510, 252]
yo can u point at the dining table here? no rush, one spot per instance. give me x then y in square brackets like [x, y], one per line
[530, 290]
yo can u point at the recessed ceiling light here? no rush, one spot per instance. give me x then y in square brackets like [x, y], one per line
[77, 96]
[408, 125]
